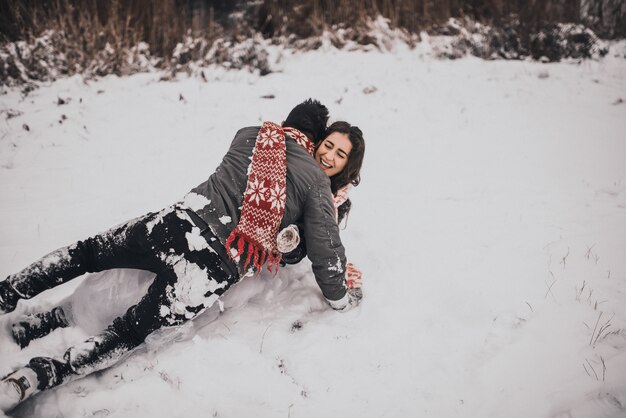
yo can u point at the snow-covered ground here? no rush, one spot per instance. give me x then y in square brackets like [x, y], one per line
[490, 226]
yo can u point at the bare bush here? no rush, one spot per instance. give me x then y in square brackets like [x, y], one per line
[44, 39]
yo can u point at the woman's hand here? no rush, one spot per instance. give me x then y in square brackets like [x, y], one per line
[354, 277]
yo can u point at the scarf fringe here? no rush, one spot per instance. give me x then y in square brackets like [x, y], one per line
[254, 252]
[260, 220]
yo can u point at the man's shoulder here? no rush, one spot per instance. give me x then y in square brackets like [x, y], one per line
[248, 131]
[301, 166]
[245, 137]
[300, 154]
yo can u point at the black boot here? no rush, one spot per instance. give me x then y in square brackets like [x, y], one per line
[95, 354]
[50, 372]
[8, 297]
[38, 325]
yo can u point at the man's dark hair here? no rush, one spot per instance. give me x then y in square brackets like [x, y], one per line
[310, 118]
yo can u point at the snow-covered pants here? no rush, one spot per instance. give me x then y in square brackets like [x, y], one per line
[190, 277]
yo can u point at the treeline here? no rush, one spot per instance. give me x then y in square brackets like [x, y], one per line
[42, 40]
[606, 17]
[162, 24]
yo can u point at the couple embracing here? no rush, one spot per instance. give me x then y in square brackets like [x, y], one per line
[279, 194]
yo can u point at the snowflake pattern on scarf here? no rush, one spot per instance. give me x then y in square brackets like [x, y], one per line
[265, 196]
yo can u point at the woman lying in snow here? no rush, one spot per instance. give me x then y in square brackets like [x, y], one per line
[186, 244]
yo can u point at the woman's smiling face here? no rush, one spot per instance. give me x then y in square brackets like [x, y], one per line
[333, 153]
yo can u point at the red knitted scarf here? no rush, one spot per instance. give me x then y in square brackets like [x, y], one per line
[264, 199]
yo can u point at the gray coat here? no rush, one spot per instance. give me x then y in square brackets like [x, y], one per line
[309, 203]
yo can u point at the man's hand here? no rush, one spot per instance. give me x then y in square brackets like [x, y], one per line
[355, 295]
[349, 301]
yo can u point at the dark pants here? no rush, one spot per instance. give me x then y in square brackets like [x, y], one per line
[190, 277]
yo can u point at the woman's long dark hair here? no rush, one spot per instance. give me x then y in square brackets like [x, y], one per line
[352, 171]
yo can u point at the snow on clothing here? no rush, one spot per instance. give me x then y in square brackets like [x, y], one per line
[264, 199]
[309, 204]
[190, 277]
[189, 259]
[298, 254]
[104, 296]
[343, 204]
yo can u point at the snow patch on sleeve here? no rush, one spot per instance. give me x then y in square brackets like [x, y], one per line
[211, 300]
[192, 285]
[195, 201]
[54, 258]
[197, 242]
[234, 256]
[164, 311]
[337, 267]
[225, 220]
[158, 219]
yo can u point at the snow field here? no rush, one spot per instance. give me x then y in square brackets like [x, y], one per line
[490, 227]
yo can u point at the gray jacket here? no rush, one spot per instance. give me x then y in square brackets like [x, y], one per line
[309, 203]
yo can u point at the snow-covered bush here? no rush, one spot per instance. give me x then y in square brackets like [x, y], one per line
[55, 54]
[460, 37]
[249, 54]
[41, 60]
[374, 34]
[567, 41]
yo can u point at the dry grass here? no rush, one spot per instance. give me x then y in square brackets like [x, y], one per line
[99, 37]
[93, 23]
[163, 23]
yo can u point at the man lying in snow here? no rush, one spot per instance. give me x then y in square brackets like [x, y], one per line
[224, 229]
[103, 296]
